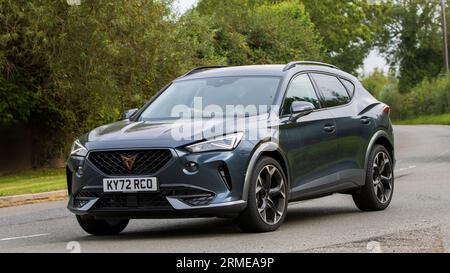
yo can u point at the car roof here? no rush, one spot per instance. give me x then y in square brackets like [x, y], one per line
[248, 70]
[277, 70]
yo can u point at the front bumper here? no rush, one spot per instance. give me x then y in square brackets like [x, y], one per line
[181, 194]
[178, 209]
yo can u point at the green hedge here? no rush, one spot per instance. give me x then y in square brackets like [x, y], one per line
[430, 97]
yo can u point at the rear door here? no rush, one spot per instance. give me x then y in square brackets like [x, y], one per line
[351, 128]
[310, 142]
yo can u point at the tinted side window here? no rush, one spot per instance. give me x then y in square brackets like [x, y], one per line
[350, 87]
[300, 89]
[333, 91]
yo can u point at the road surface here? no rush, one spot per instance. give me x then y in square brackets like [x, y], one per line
[417, 221]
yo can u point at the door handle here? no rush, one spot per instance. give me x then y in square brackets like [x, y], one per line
[366, 120]
[329, 128]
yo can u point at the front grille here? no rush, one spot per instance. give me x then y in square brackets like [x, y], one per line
[146, 162]
[85, 194]
[199, 201]
[134, 200]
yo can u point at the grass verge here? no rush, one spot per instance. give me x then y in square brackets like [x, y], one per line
[33, 182]
[436, 120]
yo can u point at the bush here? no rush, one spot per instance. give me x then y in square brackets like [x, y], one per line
[377, 82]
[430, 97]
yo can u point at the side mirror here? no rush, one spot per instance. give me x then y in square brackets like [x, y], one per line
[129, 113]
[300, 109]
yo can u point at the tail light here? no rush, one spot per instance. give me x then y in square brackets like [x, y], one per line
[387, 110]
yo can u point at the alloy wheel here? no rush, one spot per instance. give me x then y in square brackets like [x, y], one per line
[382, 177]
[271, 194]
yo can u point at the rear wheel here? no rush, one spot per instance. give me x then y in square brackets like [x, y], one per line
[379, 188]
[101, 227]
[267, 199]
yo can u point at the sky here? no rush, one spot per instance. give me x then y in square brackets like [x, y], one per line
[373, 61]
[184, 5]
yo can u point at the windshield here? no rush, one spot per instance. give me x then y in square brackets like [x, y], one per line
[225, 96]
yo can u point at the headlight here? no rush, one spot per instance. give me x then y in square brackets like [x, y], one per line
[223, 143]
[78, 149]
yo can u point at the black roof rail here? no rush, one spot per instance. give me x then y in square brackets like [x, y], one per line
[201, 69]
[294, 64]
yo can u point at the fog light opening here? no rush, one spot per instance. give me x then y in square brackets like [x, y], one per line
[225, 175]
[191, 167]
[80, 170]
[79, 203]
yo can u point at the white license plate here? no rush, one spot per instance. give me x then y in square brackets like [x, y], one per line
[129, 184]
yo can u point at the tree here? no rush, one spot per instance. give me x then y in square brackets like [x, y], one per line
[23, 69]
[107, 56]
[377, 82]
[344, 30]
[67, 69]
[412, 41]
[348, 28]
[283, 32]
[259, 32]
[195, 39]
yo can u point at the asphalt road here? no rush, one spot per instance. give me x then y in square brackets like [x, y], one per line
[417, 221]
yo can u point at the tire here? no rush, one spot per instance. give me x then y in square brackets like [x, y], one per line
[370, 197]
[259, 197]
[101, 227]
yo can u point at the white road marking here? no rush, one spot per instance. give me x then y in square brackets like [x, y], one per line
[25, 237]
[406, 169]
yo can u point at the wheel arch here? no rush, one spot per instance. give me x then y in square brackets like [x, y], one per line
[270, 149]
[381, 137]
[385, 142]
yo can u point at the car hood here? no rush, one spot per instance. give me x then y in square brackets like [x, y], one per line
[155, 134]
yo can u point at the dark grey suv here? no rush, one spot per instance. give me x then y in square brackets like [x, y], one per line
[298, 131]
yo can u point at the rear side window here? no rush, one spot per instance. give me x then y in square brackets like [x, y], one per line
[333, 91]
[350, 86]
[300, 89]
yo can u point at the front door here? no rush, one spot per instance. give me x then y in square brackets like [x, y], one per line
[309, 142]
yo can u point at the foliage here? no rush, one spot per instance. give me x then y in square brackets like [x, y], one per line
[273, 40]
[196, 41]
[66, 69]
[23, 69]
[430, 97]
[254, 32]
[72, 68]
[349, 28]
[110, 56]
[377, 82]
[14, 102]
[412, 41]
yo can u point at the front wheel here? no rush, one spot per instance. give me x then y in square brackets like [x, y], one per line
[267, 198]
[377, 193]
[101, 227]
